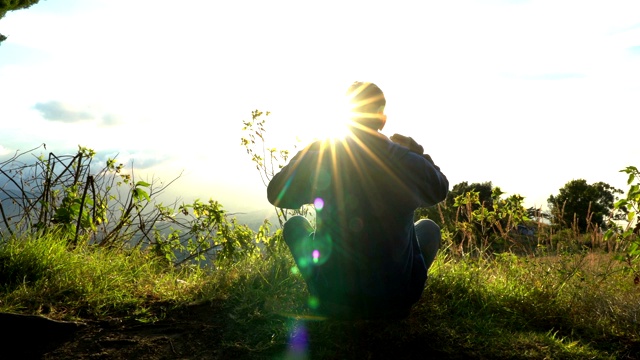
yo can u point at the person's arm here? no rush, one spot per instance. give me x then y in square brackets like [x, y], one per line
[407, 142]
[290, 188]
[436, 186]
[437, 183]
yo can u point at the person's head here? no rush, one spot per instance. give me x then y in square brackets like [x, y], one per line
[368, 104]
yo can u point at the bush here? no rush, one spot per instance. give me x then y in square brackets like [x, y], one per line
[62, 195]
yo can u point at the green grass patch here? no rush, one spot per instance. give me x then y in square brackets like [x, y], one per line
[572, 306]
[44, 275]
[557, 307]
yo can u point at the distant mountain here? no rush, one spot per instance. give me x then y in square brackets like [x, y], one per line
[252, 219]
[255, 219]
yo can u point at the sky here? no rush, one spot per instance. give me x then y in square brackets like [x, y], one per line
[526, 94]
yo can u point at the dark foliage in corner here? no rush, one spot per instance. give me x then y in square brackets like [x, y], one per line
[10, 5]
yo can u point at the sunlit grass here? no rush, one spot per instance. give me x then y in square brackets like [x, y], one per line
[566, 305]
[42, 275]
[570, 306]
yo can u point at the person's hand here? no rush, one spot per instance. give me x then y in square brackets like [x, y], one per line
[407, 142]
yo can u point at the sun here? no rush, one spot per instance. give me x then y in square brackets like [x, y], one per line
[331, 121]
[318, 113]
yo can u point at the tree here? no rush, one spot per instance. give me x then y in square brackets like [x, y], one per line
[447, 213]
[582, 205]
[447, 210]
[10, 5]
[476, 216]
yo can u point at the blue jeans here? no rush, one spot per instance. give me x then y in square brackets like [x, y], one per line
[298, 234]
[429, 239]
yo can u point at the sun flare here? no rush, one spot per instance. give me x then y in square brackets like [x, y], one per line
[332, 121]
[325, 113]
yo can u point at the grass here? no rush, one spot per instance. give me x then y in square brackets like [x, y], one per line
[552, 307]
[43, 275]
[561, 307]
[569, 306]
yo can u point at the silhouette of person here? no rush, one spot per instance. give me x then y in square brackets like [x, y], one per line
[365, 258]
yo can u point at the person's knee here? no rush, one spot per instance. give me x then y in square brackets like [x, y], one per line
[428, 229]
[429, 239]
[296, 228]
[294, 222]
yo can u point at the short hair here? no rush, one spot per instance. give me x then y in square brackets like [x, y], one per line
[368, 102]
[366, 95]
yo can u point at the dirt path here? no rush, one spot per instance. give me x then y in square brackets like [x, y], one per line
[202, 331]
[194, 332]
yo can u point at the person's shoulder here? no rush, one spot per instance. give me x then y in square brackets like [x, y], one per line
[397, 151]
[319, 145]
[312, 147]
[315, 146]
[404, 155]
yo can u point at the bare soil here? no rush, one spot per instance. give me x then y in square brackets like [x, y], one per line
[207, 331]
[198, 331]
[193, 332]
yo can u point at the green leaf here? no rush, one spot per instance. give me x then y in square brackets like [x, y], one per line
[142, 183]
[608, 234]
[139, 194]
[633, 248]
[620, 203]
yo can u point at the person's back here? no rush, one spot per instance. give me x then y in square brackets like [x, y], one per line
[363, 259]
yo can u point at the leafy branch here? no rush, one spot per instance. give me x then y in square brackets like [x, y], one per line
[268, 160]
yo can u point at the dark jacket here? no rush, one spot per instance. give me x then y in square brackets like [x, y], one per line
[369, 188]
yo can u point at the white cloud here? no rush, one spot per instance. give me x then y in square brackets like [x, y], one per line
[58, 111]
[110, 119]
[4, 151]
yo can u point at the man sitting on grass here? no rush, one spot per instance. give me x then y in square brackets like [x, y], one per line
[365, 258]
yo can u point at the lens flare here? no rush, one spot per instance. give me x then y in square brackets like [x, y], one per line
[313, 302]
[318, 203]
[298, 341]
[303, 262]
[319, 250]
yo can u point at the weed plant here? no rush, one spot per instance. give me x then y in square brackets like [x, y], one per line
[44, 275]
